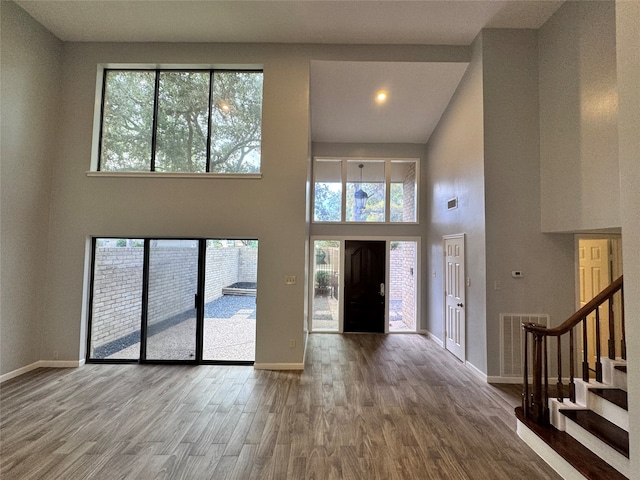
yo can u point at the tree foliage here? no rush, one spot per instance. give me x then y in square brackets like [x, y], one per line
[185, 122]
[127, 121]
[327, 200]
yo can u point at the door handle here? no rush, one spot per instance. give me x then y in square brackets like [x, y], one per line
[460, 305]
[381, 292]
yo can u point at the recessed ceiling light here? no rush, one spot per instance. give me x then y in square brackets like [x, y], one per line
[225, 107]
[381, 97]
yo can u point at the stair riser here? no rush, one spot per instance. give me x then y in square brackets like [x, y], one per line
[559, 464]
[597, 446]
[613, 377]
[608, 410]
[556, 418]
[619, 380]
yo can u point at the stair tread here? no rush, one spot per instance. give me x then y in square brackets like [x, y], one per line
[611, 434]
[616, 396]
[580, 457]
[622, 368]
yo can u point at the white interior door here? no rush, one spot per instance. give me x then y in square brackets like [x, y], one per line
[454, 295]
[595, 276]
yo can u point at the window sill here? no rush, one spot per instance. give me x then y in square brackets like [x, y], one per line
[174, 175]
[364, 223]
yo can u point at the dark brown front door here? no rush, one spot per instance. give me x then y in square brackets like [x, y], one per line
[364, 286]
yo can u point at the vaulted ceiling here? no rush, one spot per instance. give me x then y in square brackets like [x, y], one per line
[342, 93]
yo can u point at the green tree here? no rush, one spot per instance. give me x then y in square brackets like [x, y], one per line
[127, 121]
[327, 202]
[374, 211]
[181, 143]
[182, 121]
[236, 122]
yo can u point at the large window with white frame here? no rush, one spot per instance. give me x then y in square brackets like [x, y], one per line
[180, 121]
[365, 190]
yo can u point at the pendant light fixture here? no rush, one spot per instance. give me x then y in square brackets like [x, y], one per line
[360, 195]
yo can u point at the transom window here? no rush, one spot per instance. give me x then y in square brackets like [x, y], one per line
[365, 190]
[192, 121]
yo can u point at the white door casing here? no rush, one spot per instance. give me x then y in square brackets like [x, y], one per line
[454, 295]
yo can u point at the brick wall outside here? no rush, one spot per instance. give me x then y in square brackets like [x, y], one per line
[117, 291]
[409, 285]
[409, 195]
[248, 265]
[173, 281]
[221, 271]
[396, 274]
[402, 280]
[226, 266]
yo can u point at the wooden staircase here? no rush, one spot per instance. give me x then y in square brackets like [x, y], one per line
[584, 434]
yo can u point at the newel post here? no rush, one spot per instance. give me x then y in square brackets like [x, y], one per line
[538, 402]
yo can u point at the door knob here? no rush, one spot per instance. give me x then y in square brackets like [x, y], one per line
[460, 305]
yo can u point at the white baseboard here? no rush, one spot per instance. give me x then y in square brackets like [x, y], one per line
[552, 380]
[478, 373]
[41, 364]
[493, 379]
[61, 363]
[432, 337]
[278, 366]
[19, 371]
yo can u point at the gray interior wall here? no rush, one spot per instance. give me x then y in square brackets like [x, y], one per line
[272, 209]
[30, 79]
[578, 118]
[454, 167]
[628, 73]
[512, 193]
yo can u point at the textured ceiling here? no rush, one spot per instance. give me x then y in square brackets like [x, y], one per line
[448, 22]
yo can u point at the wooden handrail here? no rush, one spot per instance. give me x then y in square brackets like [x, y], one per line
[535, 397]
[577, 317]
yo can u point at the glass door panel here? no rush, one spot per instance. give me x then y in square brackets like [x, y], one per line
[231, 268]
[171, 312]
[326, 275]
[402, 291]
[116, 300]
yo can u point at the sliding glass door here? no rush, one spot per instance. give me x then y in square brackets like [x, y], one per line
[173, 300]
[230, 300]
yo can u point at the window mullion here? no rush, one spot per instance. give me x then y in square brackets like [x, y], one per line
[211, 80]
[343, 212]
[145, 301]
[387, 191]
[154, 131]
[104, 89]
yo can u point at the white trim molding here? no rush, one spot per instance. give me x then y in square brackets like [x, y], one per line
[476, 371]
[498, 379]
[278, 366]
[431, 336]
[41, 364]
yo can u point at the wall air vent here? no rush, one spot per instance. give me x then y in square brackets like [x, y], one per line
[512, 340]
[452, 203]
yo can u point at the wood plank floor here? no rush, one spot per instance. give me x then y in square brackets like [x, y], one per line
[366, 407]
